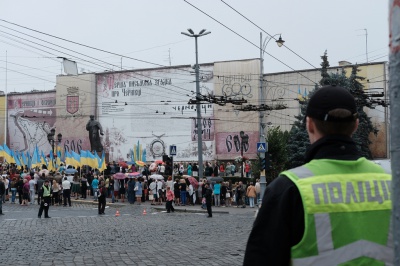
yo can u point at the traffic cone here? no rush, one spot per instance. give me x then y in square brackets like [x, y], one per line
[117, 213]
[144, 212]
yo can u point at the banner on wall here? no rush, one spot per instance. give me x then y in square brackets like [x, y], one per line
[30, 118]
[150, 108]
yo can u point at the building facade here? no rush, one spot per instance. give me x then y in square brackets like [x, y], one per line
[144, 111]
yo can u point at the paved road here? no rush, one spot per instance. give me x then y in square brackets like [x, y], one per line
[78, 236]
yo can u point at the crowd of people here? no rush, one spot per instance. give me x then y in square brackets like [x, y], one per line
[25, 186]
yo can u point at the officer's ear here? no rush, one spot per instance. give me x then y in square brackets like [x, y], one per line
[356, 126]
[313, 133]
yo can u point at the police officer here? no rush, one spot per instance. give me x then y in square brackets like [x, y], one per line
[208, 195]
[333, 210]
[46, 200]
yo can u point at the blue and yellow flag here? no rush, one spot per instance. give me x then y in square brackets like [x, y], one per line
[92, 161]
[8, 155]
[103, 165]
[35, 158]
[29, 160]
[76, 159]
[16, 159]
[84, 158]
[43, 159]
[50, 165]
[68, 158]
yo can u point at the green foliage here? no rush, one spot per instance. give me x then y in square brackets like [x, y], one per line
[277, 141]
[277, 148]
[361, 136]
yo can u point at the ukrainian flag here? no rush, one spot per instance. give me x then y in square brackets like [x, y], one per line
[50, 165]
[16, 159]
[103, 165]
[29, 160]
[58, 160]
[24, 160]
[98, 159]
[35, 158]
[76, 159]
[8, 155]
[84, 158]
[68, 158]
[43, 159]
[92, 162]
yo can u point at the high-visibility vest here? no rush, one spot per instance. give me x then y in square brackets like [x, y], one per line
[46, 191]
[347, 212]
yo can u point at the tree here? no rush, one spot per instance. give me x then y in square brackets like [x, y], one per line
[277, 148]
[277, 141]
[298, 139]
[365, 127]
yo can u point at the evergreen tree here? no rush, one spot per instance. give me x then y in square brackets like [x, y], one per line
[298, 139]
[365, 127]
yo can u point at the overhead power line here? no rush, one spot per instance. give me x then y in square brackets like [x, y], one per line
[298, 72]
[267, 33]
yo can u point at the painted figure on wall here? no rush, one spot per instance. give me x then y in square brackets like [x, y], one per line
[95, 130]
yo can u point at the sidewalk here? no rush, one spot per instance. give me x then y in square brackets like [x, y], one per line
[187, 208]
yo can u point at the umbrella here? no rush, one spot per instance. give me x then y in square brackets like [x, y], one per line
[215, 178]
[119, 176]
[134, 174]
[153, 167]
[193, 181]
[158, 161]
[123, 164]
[45, 171]
[140, 163]
[131, 162]
[155, 176]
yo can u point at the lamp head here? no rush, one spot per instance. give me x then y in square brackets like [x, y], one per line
[191, 31]
[280, 42]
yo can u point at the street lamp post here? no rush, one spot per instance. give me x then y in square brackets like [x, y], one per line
[244, 141]
[263, 137]
[52, 141]
[198, 107]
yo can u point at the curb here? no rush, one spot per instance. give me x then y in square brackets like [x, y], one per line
[189, 210]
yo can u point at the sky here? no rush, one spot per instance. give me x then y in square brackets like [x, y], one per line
[150, 31]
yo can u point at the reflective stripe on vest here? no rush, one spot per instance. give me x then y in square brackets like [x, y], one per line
[330, 197]
[330, 256]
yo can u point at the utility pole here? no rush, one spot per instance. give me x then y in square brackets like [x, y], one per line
[198, 105]
[394, 89]
[262, 137]
[263, 106]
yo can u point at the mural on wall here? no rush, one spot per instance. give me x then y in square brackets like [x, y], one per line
[237, 80]
[30, 118]
[151, 106]
[75, 103]
[230, 144]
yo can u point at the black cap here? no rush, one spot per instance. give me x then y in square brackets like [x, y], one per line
[329, 98]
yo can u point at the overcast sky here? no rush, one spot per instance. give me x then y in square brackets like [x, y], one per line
[151, 31]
